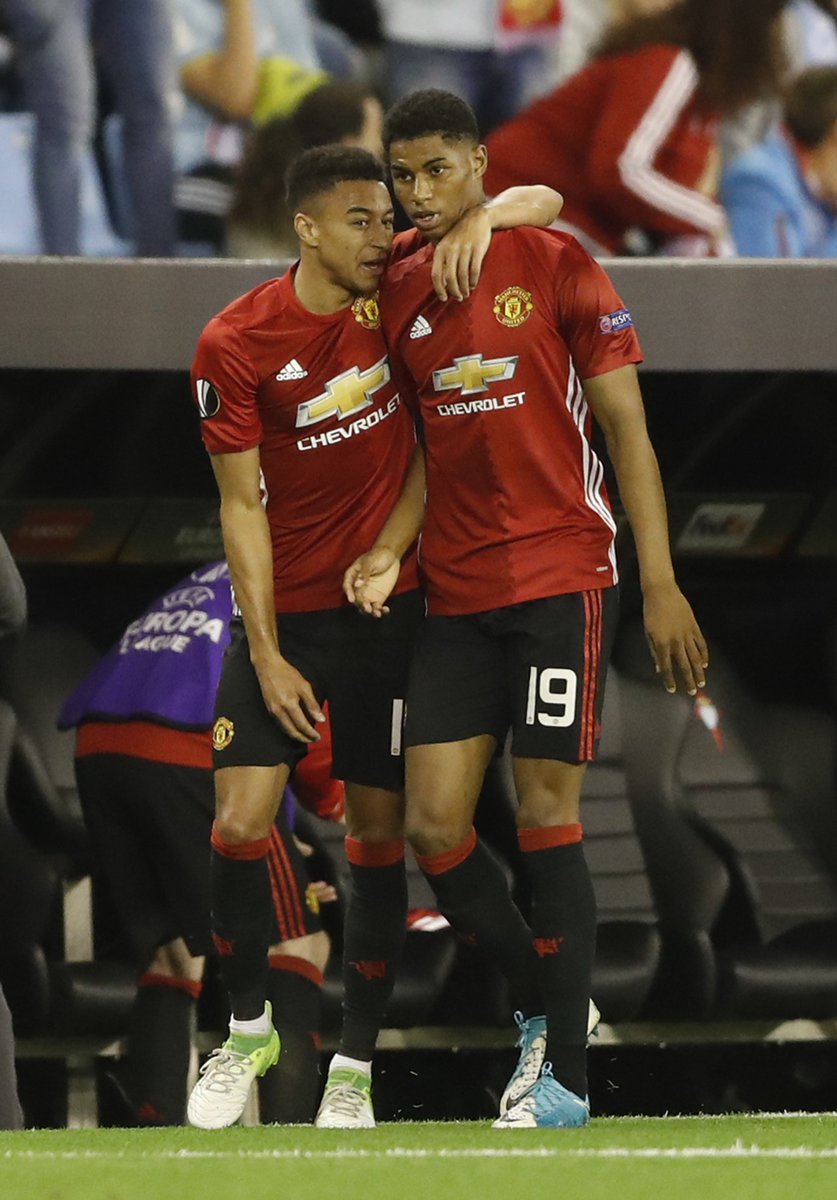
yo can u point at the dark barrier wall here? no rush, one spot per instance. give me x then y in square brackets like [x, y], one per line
[691, 315]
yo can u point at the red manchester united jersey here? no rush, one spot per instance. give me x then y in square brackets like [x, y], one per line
[516, 503]
[315, 394]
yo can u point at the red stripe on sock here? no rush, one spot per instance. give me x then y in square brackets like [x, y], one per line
[290, 885]
[193, 987]
[283, 921]
[374, 854]
[437, 864]
[549, 836]
[242, 851]
[297, 965]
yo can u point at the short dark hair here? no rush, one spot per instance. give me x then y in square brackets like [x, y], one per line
[427, 112]
[321, 168]
[811, 105]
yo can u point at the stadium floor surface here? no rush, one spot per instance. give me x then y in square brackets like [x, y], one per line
[765, 1157]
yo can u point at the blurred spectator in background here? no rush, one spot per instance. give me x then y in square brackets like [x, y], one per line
[55, 42]
[584, 24]
[781, 195]
[811, 33]
[242, 63]
[631, 140]
[496, 54]
[238, 60]
[360, 19]
[12, 618]
[260, 224]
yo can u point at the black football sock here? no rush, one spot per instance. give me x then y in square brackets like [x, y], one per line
[242, 921]
[288, 1092]
[159, 1048]
[373, 941]
[563, 920]
[473, 893]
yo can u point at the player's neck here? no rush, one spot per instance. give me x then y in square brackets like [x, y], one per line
[317, 293]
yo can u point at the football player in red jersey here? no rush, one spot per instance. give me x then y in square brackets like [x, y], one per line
[518, 552]
[310, 446]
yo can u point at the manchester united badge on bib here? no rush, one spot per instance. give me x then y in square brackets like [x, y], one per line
[513, 306]
[367, 313]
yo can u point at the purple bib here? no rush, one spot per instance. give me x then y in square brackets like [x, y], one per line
[167, 665]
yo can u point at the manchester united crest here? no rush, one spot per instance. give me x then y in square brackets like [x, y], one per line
[513, 306]
[367, 313]
[223, 732]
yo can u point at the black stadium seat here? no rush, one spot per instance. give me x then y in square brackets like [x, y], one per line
[627, 932]
[46, 994]
[28, 895]
[44, 665]
[734, 800]
[43, 849]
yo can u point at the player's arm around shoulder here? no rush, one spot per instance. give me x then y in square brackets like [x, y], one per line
[458, 259]
[249, 551]
[676, 642]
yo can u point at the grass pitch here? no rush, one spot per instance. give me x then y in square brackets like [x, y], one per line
[691, 1158]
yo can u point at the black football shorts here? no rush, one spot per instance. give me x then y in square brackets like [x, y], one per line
[537, 669]
[355, 662]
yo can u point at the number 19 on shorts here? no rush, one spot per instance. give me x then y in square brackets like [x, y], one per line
[551, 696]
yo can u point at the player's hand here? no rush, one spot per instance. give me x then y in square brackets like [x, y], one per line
[325, 893]
[370, 579]
[289, 697]
[674, 638]
[458, 258]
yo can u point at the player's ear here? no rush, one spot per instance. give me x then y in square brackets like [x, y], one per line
[306, 230]
[479, 160]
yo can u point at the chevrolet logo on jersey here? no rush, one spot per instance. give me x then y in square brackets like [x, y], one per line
[473, 374]
[345, 395]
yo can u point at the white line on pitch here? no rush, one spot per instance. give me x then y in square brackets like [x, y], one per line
[736, 1151]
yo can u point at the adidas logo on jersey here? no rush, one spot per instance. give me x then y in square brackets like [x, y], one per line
[421, 328]
[291, 370]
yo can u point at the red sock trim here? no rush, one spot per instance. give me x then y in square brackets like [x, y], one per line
[549, 836]
[243, 851]
[437, 864]
[299, 966]
[192, 987]
[374, 854]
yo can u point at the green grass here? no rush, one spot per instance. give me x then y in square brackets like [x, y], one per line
[692, 1158]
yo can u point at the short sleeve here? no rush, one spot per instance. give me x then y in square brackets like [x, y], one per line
[593, 318]
[224, 386]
